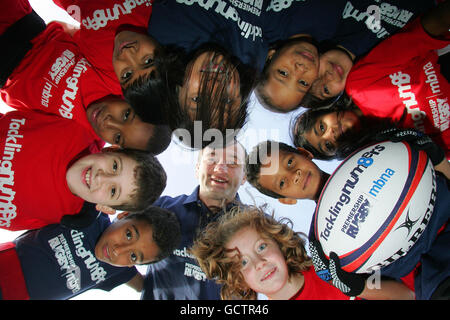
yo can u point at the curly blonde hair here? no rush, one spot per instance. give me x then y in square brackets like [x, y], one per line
[209, 248]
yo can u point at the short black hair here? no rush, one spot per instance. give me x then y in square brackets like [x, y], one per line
[165, 226]
[255, 161]
[150, 182]
[159, 140]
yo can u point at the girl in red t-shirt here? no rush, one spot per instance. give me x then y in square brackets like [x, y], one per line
[250, 252]
[400, 79]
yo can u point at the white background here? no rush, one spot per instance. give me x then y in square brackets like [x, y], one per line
[179, 165]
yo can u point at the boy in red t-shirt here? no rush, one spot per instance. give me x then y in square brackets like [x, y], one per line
[49, 166]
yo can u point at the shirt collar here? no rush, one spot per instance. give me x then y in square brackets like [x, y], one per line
[193, 198]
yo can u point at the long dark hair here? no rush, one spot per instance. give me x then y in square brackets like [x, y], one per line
[214, 110]
[347, 142]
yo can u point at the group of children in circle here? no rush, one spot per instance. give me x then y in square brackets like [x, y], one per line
[174, 64]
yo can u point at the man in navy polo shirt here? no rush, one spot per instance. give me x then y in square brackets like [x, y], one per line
[220, 172]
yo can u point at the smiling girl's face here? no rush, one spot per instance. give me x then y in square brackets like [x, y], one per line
[263, 265]
[328, 128]
[133, 56]
[335, 66]
[291, 74]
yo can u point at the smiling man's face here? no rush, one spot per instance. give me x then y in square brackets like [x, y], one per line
[220, 172]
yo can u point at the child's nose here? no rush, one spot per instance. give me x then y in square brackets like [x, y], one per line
[110, 122]
[259, 262]
[120, 249]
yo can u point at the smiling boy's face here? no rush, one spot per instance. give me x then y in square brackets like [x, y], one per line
[127, 242]
[105, 178]
[297, 176]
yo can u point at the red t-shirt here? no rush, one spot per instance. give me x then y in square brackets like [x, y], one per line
[12, 282]
[35, 152]
[99, 21]
[56, 78]
[11, 11]
[315, 288]
[401, 74]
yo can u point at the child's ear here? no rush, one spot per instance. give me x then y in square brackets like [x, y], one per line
[289, 201]
[270, 54]
[305, 153]
[105, 209]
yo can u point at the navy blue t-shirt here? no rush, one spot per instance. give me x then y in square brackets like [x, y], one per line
[179, 277]
[358, 31]
[318, 18]
[59, 263]
[233, 24]
[428, 248]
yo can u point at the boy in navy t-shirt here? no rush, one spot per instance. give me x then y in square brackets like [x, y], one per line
[58, 262]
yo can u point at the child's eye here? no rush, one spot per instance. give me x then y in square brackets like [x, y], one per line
[244, 262]
[128, 234]
[115, 166]
[126, 75]
[281, 184]
[117, 141]
[282, 73]
[133, 257]
[289, 163]
[303, 83]
[148, 62]
[262, 246]
[126, 115]
[321, 127]
[325, 89]
[113, 192]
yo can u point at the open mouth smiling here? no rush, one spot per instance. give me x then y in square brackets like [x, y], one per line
[86, 176]
[269, 274]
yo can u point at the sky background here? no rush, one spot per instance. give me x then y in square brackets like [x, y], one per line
[179, 164]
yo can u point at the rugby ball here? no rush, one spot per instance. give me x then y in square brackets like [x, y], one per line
[375, 205]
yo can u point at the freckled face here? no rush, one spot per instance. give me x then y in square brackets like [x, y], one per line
[262, 263]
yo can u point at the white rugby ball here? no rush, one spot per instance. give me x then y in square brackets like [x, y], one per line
[375, 205]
